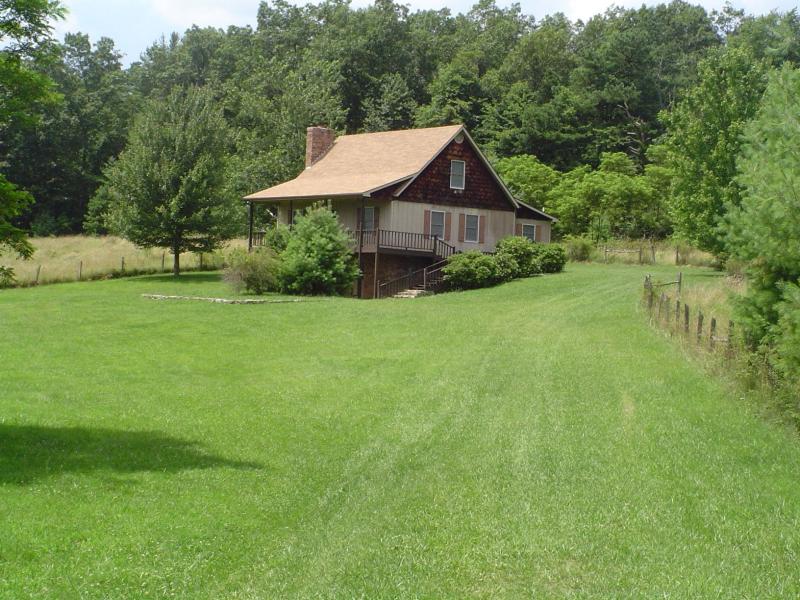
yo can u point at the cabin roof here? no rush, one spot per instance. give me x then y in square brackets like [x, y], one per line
[359, 164]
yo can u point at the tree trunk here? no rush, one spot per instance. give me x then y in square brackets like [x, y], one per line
[176, 263]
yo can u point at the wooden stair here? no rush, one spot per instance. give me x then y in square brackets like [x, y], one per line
[414, 292]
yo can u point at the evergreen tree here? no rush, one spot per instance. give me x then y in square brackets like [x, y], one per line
[765, 230]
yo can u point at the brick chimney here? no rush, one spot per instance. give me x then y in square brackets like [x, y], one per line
[318, 141]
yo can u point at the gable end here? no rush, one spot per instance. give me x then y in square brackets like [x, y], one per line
[483, 187]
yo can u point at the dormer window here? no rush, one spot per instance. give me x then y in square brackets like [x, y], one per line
[457, 174]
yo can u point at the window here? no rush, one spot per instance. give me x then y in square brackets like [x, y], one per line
[457, 172]
[369, 218]
[529, 231]
[437, 224]
[471, 228]
[296, 214]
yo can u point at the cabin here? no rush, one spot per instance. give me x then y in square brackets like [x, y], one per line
[409, 198]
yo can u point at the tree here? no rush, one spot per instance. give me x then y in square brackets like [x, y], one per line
[704, 140]
[24, 32]
[393, 108]
[614, 196]
[168, 186]
[764, 230]
[528, 178]
[60, 160]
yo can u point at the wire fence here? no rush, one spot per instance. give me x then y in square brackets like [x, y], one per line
[88, 269]
[680, 319]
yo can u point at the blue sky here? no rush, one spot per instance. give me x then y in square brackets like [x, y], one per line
[135, 24]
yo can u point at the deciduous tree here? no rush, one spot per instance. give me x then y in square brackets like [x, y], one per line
[168, 186]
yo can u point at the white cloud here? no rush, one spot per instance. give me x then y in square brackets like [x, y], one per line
[69, 24]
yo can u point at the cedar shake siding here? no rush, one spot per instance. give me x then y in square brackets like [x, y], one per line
[432, 186]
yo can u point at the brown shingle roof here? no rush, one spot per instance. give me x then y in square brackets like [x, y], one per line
[365, 162]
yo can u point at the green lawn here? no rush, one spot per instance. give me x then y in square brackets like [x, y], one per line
[536, 439]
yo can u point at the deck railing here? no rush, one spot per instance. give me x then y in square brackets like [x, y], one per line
[406, 241]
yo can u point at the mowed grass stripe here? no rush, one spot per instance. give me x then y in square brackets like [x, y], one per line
[533, 439]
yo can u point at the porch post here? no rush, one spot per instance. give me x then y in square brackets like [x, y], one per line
[360, 222]
[375, 277]
[250, 227]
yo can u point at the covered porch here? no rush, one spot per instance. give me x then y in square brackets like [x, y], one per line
[380, 250]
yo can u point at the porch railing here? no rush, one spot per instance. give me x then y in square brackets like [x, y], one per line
[388, 240]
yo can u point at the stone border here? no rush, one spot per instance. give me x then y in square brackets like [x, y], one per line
[224, 300]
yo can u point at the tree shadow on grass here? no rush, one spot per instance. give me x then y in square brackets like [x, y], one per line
[30, 452]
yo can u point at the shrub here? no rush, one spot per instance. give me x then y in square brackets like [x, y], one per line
[318, 258]
[523, 252]
[471, 270]
[579, 248]
[552, 257]
[255, 272]
[7, 278]
[277, 237]
[507, 267]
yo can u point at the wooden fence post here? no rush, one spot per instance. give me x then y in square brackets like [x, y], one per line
[201, 261]
[677, 256]
[686, 318]
[699, 326]
[80, 269]
[640, 255]
[712, 337]
[680, 282]
[668, 307]
[605, 254]
[660, 302]
[677, 313]
[163, 256]
[38, 271]
[122, 264]
[653, 251]
[730, 338]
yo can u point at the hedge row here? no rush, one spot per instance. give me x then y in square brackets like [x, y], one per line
[515, 257]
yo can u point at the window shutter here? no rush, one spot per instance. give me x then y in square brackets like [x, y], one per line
[519, 229]
[448, 221]
[462, 224]
[358, 218]
[376, 224]
[426, 227]
[481, 229]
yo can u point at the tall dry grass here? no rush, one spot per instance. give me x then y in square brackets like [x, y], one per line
[59, 259]
[660, 253]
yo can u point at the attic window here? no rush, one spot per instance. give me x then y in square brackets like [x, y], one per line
[457, 174]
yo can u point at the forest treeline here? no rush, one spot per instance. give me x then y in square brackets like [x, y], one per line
[592, 121]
